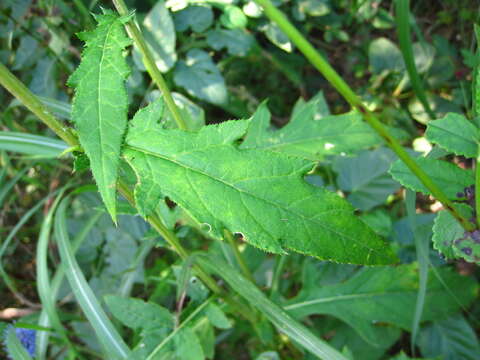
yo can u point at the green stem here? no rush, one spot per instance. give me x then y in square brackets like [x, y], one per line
[22, 93]
[238, 256]
[403, 30]
[342, 87]
[150, 65]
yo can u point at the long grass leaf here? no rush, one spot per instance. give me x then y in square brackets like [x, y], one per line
[422, 257]
[5, 244]
[5, 190]
[35, 145]
[104, 329]
[44, 320]
[403, 30]
[284, 322]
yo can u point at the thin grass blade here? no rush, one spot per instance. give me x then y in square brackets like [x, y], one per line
[34, 145]
[403, 30]
[284, 322]
[104, 329]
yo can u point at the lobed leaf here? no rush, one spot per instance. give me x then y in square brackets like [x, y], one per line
[308, 138]
[99, 108]
[260, 194]
[454, 133]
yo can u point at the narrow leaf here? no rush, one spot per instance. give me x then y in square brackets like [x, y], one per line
[36, 145]
[284, 322]
[454, 133]
[104, 329]
[99, 108]
[260, 194]
[449, 177]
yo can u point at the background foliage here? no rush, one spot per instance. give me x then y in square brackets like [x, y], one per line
[222, 60]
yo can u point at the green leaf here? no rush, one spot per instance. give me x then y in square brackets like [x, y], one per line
[200, 77]
[366, 177]
[104, 329]
[308, 138]
[237, 41]
[159, 33]
[138, 314]
[187, 345]
[447, 229]
[35, 145]
[100, 105]
[233, 17]
[197, 17]
[260, 194]
[468, 247]
[384, 55]
[278, 37]
[449, 177]
[455, 134]
[384, 294]
[449, 339]
[217, 317]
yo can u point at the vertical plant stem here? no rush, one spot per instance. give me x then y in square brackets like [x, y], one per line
[403, 30]
[27, 98]
[150, 65]
[342, 87]
[238, 256]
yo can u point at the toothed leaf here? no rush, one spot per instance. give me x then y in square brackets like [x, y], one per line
[99, 108]
[260, 194]
[308, 138]
[454, 133]
[449, 177]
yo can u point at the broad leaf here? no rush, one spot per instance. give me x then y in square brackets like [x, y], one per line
[159, 34]
[237, 41]
[200, 77]
[137, 314]
[384, 55]
[450, 339]
[454, 133]
[100, 105]
[260, 194]
[386, 294]
[449, 177]
[197, 17]
[308, 138]
[366, 177]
